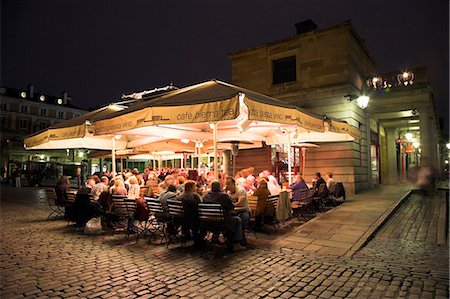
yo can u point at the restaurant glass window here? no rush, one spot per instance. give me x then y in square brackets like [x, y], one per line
[284, 70]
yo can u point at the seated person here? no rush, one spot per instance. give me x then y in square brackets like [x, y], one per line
[263, 208]
[134, 190]
[83, 209]
[168, 180]
[170, 193]
[239, 198]
[61, 189]
[102, 186]
[190, 200]
[233, 224]
[118, 188]
[329, 179]
[319, 181]
[297, 185]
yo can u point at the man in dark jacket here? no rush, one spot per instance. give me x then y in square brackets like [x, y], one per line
[233, 224]
[190, 200]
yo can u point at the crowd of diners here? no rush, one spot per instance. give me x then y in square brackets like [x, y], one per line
[189, 186]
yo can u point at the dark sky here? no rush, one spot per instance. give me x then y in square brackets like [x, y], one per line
[97, 50]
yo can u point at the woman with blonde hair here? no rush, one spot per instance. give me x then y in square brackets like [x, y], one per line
[118, 188]
[134, 190]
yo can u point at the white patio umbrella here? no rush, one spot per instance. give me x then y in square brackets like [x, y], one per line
[211, 110]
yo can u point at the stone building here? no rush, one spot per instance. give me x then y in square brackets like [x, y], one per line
[25, 111]
[326, 71]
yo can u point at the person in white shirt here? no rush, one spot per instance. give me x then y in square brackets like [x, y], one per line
[134, 191]
[103, 186]
[329, 180]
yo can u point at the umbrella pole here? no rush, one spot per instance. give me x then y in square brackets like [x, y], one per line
[113, 155]
[289, 158]
[304, 159]
[216, 169]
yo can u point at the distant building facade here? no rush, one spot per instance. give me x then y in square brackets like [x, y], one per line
[325, 71]
[23, 112]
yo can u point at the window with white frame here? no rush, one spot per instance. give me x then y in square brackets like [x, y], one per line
[24, 108]
[60, 114]
[23, 123]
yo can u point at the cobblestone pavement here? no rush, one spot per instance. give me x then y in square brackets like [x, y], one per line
[47, 259]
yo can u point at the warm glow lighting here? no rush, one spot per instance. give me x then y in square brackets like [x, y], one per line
[42, 157]
[23, 94]
[211, 126]
[363, 101]
[80, 154]
[42, 98]
[416, 144]
[184, 140]
[448, 146]
[59, 101]
[446, 161]
[405, 75]
[409, 136]
[118, 136]
[241, 98]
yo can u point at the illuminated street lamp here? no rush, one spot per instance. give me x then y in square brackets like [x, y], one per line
[363, 101]
[448, 146]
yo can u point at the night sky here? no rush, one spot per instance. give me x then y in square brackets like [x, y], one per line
[98, 50]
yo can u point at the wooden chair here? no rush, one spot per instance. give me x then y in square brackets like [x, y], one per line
[157, 224]
[319, 197]
[211, 218]
[134, 225]
[273, 200]
[70, 204]
[119, 214]
[176, 211]
[303, 205]
[252, 204]
[57, 209]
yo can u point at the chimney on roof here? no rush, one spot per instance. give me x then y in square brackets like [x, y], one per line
[305, 26]
[31, 91]
[66, 98]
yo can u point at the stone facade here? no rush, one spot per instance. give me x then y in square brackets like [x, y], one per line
[330, 65]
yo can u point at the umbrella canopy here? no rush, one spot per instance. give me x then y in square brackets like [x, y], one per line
[238, 112]
[76, 133]
[215, 110]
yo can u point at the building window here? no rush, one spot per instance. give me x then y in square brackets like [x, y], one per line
[284, 70]
[43, 111]
[4, 106]
[76, 115]
[42, 125]
[4, 121]
[23, 124]
[60, 114]
[24, 109]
